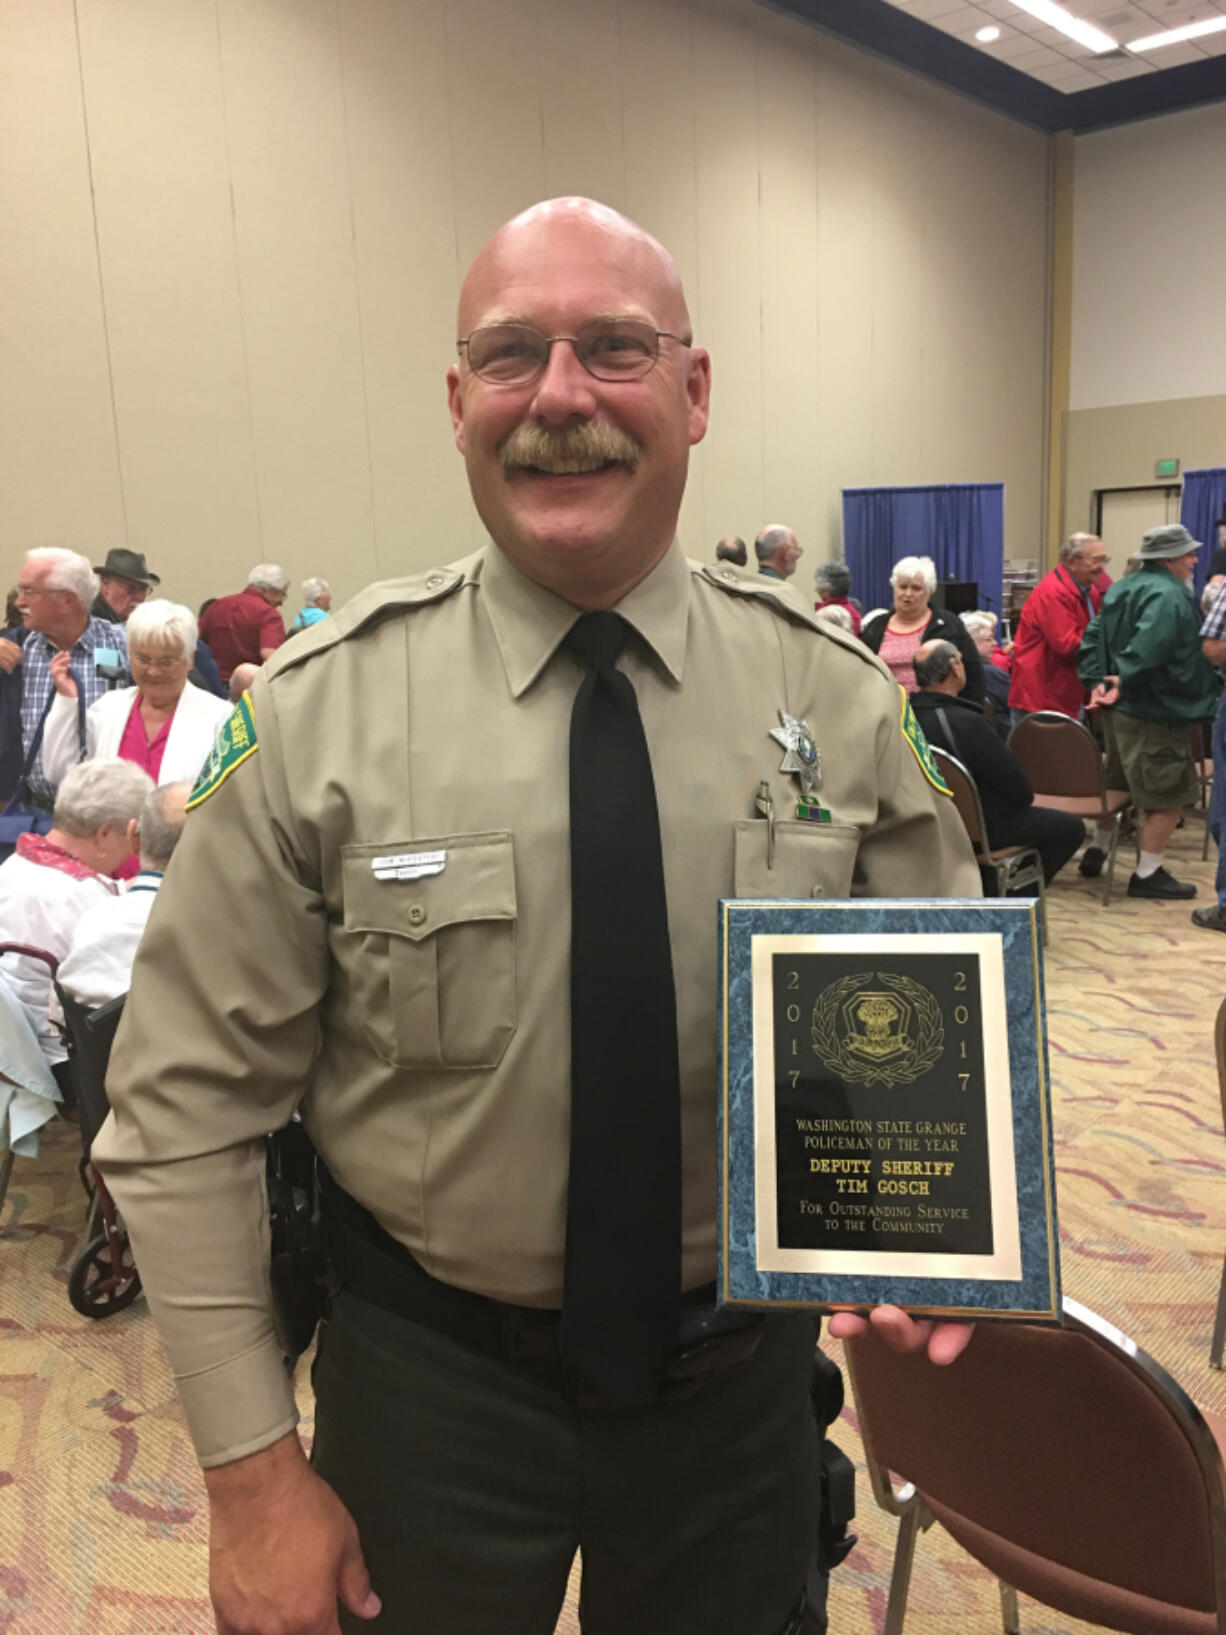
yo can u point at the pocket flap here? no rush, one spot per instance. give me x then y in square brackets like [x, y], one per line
[475, 882]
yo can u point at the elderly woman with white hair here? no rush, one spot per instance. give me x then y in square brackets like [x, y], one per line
[163, 724]
[53, 879]
[896, 635]
[316, 604]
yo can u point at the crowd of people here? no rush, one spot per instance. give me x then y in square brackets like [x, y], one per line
[111, 700]
[1132, 659]
[513, 1107]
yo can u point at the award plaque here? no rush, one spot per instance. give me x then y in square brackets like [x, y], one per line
[885, 1126]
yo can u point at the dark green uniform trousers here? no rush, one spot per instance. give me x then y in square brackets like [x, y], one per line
[473, 1485]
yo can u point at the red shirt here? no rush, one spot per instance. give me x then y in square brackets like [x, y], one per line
[1049, 632]
[842, 601]
[235, 628]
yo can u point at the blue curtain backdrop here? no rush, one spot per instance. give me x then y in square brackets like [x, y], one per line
[961, 526]
[1203, 502]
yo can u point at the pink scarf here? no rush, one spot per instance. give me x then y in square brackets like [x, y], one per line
[38, 849]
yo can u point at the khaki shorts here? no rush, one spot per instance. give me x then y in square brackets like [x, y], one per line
[1153, 760]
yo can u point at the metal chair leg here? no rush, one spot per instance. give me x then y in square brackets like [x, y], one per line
[1110, 869]
[6, 1175]
[900, 1577]
[1219, 1325]
[1010, 1618]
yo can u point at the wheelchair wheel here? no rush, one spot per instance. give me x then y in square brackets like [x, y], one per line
[92, 1286]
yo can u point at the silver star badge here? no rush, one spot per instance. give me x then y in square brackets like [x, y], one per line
[801, 755]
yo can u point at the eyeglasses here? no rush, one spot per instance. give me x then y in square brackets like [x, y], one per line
[609, 349]
[159, 661]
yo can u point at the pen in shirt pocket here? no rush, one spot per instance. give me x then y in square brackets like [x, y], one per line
[764, 803]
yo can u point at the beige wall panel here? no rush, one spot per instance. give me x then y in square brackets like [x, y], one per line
[787, 103]
[153, 99]
[1149, 245]
[59, 475]
[397, 116]
[895, 365]
[661, 179]
[844, 291]
[729, 285]
[864, 256]
[497, 150]
[581, 108]
[294, 231]
[1118, 447]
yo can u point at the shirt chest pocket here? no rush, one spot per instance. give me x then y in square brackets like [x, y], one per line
[810, 859]
[431, 961]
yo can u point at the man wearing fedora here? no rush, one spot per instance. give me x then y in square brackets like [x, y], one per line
[124, 582]
[1142, 657]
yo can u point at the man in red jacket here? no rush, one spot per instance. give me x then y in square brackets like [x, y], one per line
[1045, 646]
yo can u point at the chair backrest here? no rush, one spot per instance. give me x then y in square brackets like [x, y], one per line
[966, 796]
[1058, 755]
[91, 1033]
[1065, 1459]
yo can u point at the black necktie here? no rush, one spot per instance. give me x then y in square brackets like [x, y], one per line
[621, 1304]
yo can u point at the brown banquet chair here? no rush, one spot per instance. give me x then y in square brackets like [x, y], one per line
[1010, 867]
[1064, 767]
[1064, 1460]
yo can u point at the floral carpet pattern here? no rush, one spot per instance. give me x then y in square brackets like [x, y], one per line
[102, 1518]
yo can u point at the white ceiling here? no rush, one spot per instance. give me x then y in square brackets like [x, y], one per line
[1052, 57]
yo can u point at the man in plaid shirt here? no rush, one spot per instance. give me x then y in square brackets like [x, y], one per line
[55, 589]
[1213, 645]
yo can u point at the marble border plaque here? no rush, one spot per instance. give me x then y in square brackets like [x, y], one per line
[884, 1116]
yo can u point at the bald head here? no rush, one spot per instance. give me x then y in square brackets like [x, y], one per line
[939, 668]
[572, 227]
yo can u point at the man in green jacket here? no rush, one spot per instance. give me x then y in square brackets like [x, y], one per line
[1142, 655]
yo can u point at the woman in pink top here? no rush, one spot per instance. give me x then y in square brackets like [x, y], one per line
[896, 635]
[163, 724]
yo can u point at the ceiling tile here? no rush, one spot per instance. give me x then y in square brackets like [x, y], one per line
[1070, 76]
[1037, 57]
[1051, 57]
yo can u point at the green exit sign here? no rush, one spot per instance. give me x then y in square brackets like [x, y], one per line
[1167, 468]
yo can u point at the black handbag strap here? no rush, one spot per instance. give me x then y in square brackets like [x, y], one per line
[941, 716]
[21, 791]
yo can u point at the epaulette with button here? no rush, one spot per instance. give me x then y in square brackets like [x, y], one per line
[752, 586]
[375, 602]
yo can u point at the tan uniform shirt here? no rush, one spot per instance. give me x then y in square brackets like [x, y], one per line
[423, 1024]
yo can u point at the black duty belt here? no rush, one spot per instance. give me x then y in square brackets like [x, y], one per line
[373, 1265]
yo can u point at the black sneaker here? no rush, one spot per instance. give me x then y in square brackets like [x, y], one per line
[1212, 919]
[1160, 884]
[1092, 860]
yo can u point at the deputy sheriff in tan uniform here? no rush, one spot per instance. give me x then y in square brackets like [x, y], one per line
[368, 919]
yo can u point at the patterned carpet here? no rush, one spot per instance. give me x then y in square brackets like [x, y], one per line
[102, 1523]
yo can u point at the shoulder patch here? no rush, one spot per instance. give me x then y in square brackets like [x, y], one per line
[235, 742]
[914, 734]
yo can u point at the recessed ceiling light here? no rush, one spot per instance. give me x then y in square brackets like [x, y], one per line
[1046, 11]
[987, 35]
[1173, 36]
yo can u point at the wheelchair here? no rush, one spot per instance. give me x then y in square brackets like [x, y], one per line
[104, 1278]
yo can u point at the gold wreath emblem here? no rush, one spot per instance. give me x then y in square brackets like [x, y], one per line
[887, 1033]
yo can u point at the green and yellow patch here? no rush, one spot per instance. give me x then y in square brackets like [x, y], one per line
[914, 734]
[235, 741]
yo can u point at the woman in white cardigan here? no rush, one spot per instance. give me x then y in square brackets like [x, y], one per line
[164, 724]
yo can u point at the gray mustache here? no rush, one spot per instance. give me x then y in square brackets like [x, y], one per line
[589, 446]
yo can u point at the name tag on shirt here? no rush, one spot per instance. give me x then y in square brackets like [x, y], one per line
[408, 865]
[107, 655]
